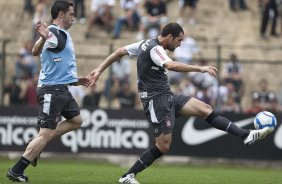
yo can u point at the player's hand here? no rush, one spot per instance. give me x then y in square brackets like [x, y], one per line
[210, 69]
[84, 81]
[94, 76]
[42, 30]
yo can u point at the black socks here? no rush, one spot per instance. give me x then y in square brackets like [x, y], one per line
[224, 124]
[20, 166]
[146, 159]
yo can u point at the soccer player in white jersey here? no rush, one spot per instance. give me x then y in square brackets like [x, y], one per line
[161, 106]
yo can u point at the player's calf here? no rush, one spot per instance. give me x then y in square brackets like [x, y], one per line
[35, 160]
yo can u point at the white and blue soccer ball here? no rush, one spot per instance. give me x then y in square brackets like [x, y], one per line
[265, 119]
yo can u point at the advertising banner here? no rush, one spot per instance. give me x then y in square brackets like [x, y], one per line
[195, 137]
[127, 132]
[103, 131]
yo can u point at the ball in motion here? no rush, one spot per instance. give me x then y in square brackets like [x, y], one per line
[265, 119]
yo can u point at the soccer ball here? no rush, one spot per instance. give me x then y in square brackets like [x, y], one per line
[265, 119]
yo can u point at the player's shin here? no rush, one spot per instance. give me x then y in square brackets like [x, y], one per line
[226, 125]
[146, 159]
[21, 165]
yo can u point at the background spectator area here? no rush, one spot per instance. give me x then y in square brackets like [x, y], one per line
[236, 31]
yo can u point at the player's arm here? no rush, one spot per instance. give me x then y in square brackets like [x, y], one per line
[115, 56]
[37, 48]
[130, 50]
[55, 41]
[160, 58]
[83, 81]
[181, 67]
[43, 31]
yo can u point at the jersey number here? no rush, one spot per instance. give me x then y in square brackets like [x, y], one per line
[145, 45]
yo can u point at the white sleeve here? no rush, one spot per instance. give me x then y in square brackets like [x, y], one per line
[159, 56]
[51, 42]
[132, 49]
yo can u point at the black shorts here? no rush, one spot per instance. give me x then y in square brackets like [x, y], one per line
[55, 101]
[162, 111]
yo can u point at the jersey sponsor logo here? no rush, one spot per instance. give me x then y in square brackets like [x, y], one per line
[192, 136]
[59, 59]
[159, 54]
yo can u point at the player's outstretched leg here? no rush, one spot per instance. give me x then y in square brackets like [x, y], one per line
[248, 137]
[256, 135]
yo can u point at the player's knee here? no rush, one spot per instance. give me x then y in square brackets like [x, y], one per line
[77, 122]
[164, 147]
[46, 135]
[206, 110]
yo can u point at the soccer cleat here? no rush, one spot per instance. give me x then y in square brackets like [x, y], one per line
[130, 178]
[35, 160]
[256, 135]
[17, 177]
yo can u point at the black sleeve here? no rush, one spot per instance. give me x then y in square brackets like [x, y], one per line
[62, 39]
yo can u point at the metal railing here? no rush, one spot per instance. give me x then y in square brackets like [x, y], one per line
[217, 60]
[3, 67]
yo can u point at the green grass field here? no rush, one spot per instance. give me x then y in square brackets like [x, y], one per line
[50, 171]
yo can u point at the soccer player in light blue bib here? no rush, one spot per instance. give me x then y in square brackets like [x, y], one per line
[58, 71]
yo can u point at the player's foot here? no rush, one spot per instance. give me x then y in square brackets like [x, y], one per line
[17, 177]
[256, 135]
[35, 160]
[130, 178]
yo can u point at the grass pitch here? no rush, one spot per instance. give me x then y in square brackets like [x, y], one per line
[50, 171]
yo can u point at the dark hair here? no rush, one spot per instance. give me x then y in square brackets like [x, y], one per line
[172, 28]
[58, 6]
